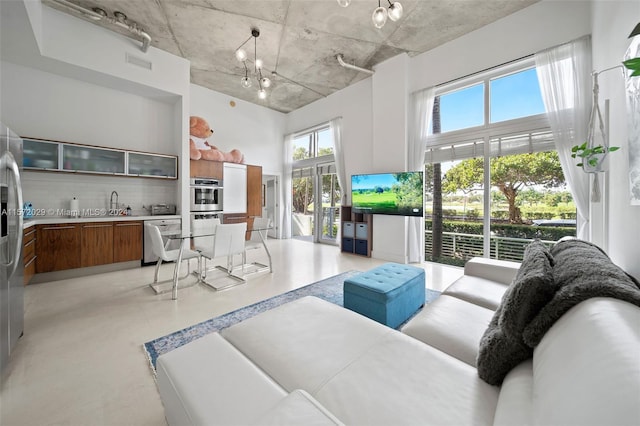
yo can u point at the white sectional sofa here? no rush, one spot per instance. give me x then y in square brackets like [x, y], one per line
[310, 362]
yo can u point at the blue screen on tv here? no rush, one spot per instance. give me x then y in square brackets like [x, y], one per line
[388, 193]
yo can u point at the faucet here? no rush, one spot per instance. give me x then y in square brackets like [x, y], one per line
[112, 211]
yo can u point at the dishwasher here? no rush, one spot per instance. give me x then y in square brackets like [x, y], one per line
[165, 225]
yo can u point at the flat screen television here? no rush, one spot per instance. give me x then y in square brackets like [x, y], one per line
[388, 193]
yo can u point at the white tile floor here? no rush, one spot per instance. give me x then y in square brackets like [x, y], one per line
[80, 361]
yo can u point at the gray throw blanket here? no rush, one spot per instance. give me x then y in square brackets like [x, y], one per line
[546, 286]
[582, 270]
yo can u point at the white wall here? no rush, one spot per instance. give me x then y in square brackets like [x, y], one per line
[612, 23]
[256, 131]
[354, 105]
[537, 27]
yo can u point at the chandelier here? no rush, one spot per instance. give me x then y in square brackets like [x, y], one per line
[241, 55]
[380, 14]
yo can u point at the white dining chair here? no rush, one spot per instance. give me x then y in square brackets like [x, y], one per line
[200, 227]
[159, 249]
[258, 236]
[228, 242]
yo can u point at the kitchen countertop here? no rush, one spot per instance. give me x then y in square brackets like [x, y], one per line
[44, 220]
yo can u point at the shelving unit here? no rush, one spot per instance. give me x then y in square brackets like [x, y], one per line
[356, 232]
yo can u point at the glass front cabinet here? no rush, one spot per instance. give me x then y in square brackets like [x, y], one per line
[67, 157]
[152, 165]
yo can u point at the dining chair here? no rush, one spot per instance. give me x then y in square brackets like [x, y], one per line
[258, 236]
[200, 227]
[159, 249]
[228, 242]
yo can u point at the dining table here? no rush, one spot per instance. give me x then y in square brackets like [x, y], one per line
[187, 238]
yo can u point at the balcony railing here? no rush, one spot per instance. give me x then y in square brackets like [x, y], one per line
[461, 247]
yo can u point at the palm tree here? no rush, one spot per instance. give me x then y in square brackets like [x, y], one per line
[436, 249]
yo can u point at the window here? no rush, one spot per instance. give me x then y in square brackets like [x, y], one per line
[316, 193]
[500, 175]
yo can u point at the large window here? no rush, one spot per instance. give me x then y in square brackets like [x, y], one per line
[316, 193]
[499, 182]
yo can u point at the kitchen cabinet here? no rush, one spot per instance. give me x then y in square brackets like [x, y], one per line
[254, 191]
[234, 194]
[97, 244]
[206, 169]
[77, 158]
[152, 165]
[41, 155]
[58, 247]
[29, 253]
[127, 241]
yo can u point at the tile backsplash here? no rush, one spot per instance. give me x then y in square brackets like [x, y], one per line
[54, 191]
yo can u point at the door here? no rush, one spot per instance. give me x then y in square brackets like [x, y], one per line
[97, 244]
[328, 212]
[58, 247]
[234, 193]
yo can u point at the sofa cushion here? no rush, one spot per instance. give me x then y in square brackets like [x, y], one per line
[586, 368]
[480, 291]
[500, 271]
[451, 325]
[209, 382]
[298, 408]
[303, 343]
[402, 381]
[582, 270]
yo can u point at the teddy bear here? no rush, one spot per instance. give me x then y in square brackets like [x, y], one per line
[200, 148]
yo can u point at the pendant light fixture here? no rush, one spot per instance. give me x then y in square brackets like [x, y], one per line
[241, 55]
[380, 14]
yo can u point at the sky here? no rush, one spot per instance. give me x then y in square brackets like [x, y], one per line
[370, 181]
[513, 96]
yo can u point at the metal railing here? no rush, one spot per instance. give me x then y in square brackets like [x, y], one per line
[462, 247]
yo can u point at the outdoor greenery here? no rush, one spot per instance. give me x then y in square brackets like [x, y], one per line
[510, 175]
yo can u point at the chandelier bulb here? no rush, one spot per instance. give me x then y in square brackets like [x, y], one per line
[246, 82]
[344, 3]
[262, 94]
[259, 64]
[379, 17]
[265, 82]
[395, 11]
[241, 55]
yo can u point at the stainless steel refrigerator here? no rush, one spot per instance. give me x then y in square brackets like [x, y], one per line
[11, 264]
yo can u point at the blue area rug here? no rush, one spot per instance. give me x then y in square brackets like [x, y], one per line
[329, 289]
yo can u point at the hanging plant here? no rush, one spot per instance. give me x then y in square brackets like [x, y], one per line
[591, 157]
[633, 64]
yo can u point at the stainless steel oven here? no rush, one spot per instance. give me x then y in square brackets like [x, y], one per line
[206, 195]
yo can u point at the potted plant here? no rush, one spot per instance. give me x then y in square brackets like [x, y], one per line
[591, 157]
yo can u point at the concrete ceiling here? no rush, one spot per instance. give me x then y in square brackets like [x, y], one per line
[299, 39]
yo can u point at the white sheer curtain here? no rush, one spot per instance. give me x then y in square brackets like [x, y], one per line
[286, 185]
[421, 110]
[338, 154]
[564, 73]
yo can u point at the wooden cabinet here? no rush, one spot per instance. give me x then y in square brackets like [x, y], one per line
[127, 241]
[206, 169]
[97, 244]
[29, 253]
[254, 191]
[58, 247]
[78, 245]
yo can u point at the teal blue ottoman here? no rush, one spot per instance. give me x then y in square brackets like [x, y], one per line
[389, 294]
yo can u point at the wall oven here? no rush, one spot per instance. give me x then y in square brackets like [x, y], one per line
[206, 195]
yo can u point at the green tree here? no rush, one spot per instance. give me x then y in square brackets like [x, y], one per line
[509, 174]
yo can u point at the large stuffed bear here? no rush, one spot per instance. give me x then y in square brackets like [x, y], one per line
[199, 147]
